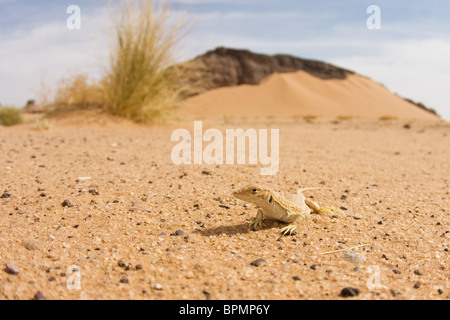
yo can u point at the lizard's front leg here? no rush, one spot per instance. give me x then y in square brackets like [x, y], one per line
[291, 227]
[258, 222]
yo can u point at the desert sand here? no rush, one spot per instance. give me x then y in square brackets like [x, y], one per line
[94, 207]
[102, 196]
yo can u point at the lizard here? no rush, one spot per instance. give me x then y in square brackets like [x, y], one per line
[290, 209]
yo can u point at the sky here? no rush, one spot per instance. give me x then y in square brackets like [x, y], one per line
[409, 54]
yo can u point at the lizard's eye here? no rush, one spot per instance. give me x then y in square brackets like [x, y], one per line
[254, 190]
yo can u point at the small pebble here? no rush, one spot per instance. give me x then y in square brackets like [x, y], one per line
[39, 296]
[67, 203]
[157, 286]
[30, 244]
[286, 267]
[257, 262]
[395, 292]
[416, 285]
[5, 195]
[177, 233]
[207, 294]
[349, 292]
[418, 272]
[124, 280]
[79, 179]
[128, 268]
[396, 271]
[12, 268]
[354, 257]
[296, 278]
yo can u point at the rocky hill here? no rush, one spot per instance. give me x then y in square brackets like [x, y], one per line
[224, 67]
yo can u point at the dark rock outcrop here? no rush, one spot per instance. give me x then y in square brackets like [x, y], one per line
[32, 107]
[224, 67]
[422, 106]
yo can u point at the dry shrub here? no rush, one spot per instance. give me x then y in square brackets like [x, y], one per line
[10, 116]
[387, 118]
[310, 117]
[139, 83]
[77, 93]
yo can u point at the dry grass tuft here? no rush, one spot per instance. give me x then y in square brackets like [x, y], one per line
[387, 118]
[310, 117]
[139, 83]
[76, 93]
[40, 123]
[345, 117]
[10, 116]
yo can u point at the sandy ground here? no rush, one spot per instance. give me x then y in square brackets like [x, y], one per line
[144, 228]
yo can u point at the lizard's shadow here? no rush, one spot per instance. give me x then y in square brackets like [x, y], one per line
[235, 229]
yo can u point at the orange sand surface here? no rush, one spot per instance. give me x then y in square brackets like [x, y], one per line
[143, 228]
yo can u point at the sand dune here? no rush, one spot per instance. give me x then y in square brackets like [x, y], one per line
[300, 94]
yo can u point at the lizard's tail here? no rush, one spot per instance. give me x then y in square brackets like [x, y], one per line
[308, 189]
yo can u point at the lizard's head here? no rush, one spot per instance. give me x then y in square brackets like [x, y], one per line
[251, 193]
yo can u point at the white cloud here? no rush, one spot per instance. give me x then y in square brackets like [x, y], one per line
[416, 68]
[48, 52]
[264, 16]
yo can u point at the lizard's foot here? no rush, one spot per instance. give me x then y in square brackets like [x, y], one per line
[256, 224]
[329, 211]
[288, 229]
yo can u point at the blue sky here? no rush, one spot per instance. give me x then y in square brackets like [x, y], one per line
[409, 54]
